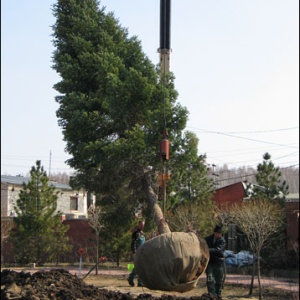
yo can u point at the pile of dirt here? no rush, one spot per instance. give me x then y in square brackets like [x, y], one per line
[59, 284]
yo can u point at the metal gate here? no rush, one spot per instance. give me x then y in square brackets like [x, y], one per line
[232, 238]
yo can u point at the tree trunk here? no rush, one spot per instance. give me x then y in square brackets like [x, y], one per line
[258, 278]
[97, 252]
[162, 225]
[252, 277]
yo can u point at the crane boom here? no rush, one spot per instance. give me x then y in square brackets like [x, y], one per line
[165, 35]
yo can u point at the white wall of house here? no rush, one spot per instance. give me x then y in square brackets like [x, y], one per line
[9, 195]
[4, 199]
[72, 204]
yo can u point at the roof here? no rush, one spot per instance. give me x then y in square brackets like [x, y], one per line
[292, 197]
[19, 180]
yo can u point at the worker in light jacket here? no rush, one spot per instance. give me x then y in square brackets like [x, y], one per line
[137, 239]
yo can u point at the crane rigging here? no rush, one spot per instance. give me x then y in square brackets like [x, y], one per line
[171, 261]
[164, 52]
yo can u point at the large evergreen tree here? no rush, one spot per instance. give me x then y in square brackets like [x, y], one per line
[38, 235]
[113, 108]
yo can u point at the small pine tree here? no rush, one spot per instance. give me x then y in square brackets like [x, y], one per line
[38, 235]
[270, 181]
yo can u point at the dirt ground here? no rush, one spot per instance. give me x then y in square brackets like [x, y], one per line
[60, 284]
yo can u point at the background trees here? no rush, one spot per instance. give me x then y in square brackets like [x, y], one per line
[271, 186]
[226, 176]
[261, 219]
[38, 235]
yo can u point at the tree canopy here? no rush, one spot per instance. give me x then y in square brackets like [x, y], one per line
[113, 108]
[271, 185]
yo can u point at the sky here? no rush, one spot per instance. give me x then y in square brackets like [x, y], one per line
[236, 67]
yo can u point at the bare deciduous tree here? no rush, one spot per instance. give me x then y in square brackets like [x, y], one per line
[6, 227]
[193, 217]
[258, 220]
[95, 222]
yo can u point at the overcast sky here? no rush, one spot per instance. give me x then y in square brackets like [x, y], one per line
[236, 65]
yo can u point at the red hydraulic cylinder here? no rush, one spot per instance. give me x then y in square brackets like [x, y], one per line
[164, 149]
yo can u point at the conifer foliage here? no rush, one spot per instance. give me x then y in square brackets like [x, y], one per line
[271, 184]
[113, 107]
[38, 235]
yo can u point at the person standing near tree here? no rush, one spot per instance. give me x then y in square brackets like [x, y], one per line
[137, 239]
[215, 267]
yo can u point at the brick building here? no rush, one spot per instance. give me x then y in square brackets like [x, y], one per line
[72, 204]
[236, 194]
[230, 194]
[292, 214]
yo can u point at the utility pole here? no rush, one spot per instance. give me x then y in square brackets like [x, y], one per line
[214, 175]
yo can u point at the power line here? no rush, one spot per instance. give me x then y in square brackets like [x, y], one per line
[237, 164]
[245, 138]
[248, 151]
[244, 152]
[28, 167]
[29, 157]
[248, 132]
[248, 175]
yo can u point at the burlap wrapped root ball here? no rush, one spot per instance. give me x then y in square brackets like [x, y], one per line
[172, 261]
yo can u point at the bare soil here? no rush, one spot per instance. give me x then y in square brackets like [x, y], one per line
[60, 284]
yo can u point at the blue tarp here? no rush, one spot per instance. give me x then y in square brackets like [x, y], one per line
[240, 259]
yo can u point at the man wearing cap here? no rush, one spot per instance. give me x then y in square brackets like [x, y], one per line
[215, 268]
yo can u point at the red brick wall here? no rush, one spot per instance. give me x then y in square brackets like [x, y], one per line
[6, 247]
[292, 214]
[229, 195]
[80, 233]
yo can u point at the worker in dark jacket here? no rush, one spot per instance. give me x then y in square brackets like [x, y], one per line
[215, 267]
[137, 239]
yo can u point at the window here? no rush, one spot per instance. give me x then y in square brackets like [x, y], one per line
[74, 203]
